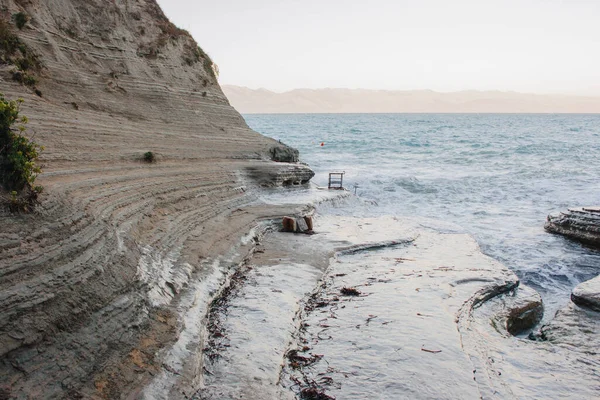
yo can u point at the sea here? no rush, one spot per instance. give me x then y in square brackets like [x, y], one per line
[494, 176]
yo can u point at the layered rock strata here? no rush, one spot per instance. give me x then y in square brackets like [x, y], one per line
[90, 282]
[582, 224]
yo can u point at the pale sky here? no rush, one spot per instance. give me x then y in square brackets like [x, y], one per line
[536, 46]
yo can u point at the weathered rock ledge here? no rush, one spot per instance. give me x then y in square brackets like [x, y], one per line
[582, 224]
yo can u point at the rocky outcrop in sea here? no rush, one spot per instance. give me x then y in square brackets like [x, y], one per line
[582, 224]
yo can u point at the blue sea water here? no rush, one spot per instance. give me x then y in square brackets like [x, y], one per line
[495, 175]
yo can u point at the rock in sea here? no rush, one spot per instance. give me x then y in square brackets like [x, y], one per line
[587, 294]
[582, 224]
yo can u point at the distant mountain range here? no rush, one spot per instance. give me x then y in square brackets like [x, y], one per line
[252, 101]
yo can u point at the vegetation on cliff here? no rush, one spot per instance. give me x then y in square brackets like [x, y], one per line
[169, 32]
[14, 52]
[21, 19]
[18, 156]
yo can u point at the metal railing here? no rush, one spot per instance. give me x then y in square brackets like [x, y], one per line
[336, 180]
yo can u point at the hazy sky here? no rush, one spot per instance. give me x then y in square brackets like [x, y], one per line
[542, 46]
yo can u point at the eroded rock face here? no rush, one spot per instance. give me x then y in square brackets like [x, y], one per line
[88, 283]
[280, 174]
[284, 153]
[582, 224]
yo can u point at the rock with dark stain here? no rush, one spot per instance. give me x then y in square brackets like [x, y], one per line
[582, 224]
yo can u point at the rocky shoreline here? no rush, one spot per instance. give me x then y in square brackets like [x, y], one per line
[369, 307]
[171, 279]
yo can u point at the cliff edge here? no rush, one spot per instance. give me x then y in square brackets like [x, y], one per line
[90, 282]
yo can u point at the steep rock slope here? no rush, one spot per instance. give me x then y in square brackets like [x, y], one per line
[89, 281]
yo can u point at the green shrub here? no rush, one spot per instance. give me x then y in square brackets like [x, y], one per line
[28, 61]
[30, 80]
[149, 157]
[21, 19]
[18, 76]
[196, 54]
[18, 154]
[13, 51]
[72, 32]
[9, 42]
[24, 78]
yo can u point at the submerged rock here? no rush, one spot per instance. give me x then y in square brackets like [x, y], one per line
[582, 224]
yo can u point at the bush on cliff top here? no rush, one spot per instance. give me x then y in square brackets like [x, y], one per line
[18, 154]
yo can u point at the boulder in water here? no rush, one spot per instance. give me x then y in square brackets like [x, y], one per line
[587, 294]
[582, 224]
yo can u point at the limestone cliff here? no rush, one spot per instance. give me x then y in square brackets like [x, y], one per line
[88, 282]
